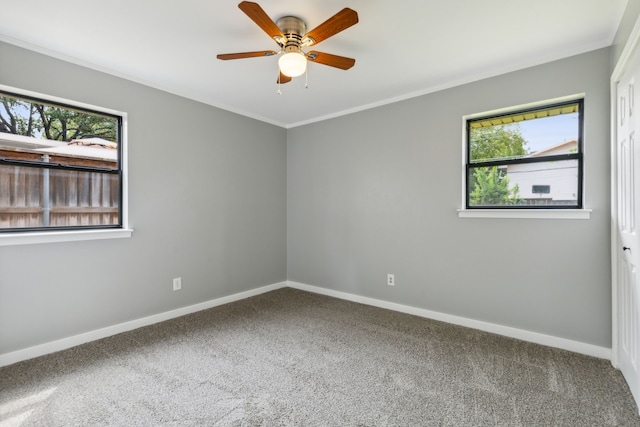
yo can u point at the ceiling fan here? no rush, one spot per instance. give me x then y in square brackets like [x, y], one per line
[290, 33]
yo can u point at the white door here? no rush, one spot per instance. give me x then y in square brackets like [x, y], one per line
[626, 297]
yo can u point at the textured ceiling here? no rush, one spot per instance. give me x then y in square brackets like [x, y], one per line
[402, 48]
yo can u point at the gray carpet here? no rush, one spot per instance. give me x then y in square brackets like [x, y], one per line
[292, 358]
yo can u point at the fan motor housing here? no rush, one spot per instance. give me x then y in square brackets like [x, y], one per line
[292, 25]
[293, 29]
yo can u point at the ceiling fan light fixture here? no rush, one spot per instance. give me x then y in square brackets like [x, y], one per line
[292, 64]
[290, 33]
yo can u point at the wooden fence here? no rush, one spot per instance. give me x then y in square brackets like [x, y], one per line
[40, 197]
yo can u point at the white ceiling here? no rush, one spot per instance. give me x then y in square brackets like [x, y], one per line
[402, 48]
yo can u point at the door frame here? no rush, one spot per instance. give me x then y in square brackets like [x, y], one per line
[631, 47]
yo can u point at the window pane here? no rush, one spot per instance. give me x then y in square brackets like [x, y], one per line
[48, 198]
[553, 183]
[52, 133]
[544, 132]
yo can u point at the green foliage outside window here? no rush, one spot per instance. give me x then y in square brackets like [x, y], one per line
[489, 186]
[497, 142]
[26, 118]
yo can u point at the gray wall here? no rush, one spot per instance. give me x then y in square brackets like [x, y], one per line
[376, 192]
[207, 201]
[624, 30]
[235, 204]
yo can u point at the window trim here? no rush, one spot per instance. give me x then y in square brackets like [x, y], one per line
[528, 212]
[18, 237]
[27, 238]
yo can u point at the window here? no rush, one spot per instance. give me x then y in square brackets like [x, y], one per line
[61, 165]
[541, 189]
[530, 158]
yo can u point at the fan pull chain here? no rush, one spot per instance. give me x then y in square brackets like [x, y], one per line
[306, 78]
[279, 92]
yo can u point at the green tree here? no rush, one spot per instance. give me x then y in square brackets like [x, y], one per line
[489, 186]
[64, 124]
[17, 117]
[497, 142]
[22, 117]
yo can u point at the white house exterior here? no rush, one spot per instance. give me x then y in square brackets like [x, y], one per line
[547, 183]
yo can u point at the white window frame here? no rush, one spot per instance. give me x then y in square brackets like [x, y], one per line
[36, 237]
[538, 213]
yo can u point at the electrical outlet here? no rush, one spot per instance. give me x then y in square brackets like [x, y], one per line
[391, 280]
[177, 283]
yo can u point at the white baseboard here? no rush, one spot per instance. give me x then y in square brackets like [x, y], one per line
[65, 343]
[534, 337]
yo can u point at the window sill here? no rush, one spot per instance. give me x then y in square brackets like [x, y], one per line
[526, 214]
[12, 239]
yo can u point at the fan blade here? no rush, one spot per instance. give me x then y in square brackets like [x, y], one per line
[260, 17]
[282, 79]
[332, 26]
[241, 55]
[341, 62]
